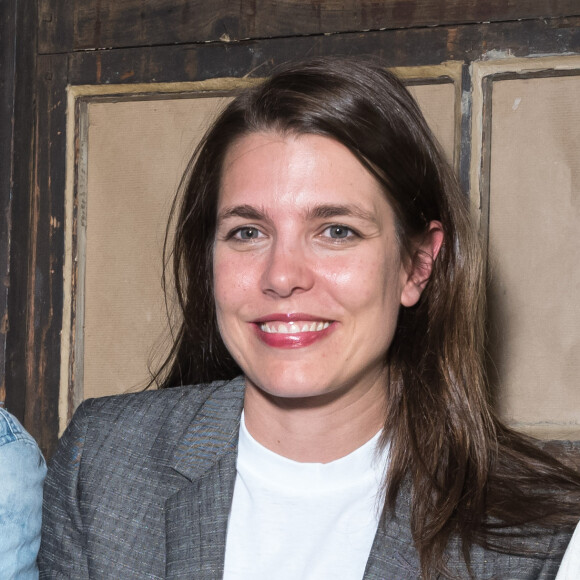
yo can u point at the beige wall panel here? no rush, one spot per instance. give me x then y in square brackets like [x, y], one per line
[137, 151]
[535, 248]
[437, 103]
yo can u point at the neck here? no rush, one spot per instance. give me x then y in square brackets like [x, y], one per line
[316, 429]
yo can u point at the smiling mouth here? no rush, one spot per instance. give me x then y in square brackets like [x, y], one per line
[293, 327]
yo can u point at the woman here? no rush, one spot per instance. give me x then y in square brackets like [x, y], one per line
[22, 471]
[324, 256]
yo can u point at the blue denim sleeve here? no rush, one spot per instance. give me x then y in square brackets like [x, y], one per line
[22, 471]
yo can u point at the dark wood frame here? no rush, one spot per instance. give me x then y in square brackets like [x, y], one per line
[18, 29]
[54, 43]
[94, 24]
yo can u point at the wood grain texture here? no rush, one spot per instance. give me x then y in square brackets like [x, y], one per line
[413, 47]
[44, 289]
[16, 196]
[7, 36]
[55, 25]
[90, 24]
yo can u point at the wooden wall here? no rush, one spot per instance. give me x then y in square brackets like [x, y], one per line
[48, 45]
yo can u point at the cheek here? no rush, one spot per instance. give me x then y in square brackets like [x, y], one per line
[232, 295]
[347, 271]
[233, 280]
[227, 302]
[222, 282]
[366, 282]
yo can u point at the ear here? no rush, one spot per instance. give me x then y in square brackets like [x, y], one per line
[420, 264]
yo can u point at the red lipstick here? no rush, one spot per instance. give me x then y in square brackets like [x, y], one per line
[292, 330]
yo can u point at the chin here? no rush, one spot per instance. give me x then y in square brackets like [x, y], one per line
[290, 385]
[299, 393]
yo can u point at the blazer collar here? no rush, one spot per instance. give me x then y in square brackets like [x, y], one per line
[212, 432]
[196, 516]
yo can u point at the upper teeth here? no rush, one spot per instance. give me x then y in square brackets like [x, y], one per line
[293, 327]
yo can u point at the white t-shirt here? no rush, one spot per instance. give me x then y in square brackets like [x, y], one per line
[293, 520]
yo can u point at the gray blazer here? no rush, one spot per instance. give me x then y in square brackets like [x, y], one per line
[141, 488]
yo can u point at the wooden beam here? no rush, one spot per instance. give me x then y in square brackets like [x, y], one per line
[17, 142]
[7, 36]
[92, 24]
[46, 251]
[407, 47]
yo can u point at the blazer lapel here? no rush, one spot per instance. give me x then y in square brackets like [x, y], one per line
[196, 524]
[393, 553]
[196, 516]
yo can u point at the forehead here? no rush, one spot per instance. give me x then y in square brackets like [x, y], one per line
[297, 171]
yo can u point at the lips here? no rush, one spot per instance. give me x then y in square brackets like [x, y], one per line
[292, 330]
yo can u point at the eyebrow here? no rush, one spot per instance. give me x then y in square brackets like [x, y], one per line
[330, 211]
[324, 211]
[245, 211]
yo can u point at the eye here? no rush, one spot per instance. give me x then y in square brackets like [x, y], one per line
[338, 232]
[246, 233]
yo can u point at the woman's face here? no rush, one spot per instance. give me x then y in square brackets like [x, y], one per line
[308, 275]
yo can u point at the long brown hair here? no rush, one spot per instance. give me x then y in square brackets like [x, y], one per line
[466, 469]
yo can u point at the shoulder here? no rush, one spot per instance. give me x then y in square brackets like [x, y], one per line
[118, 450]
[531, 552]
[147, 421]
[12, 431]
[22, 471]
[180, 404]
[19, 453]
[21, 462]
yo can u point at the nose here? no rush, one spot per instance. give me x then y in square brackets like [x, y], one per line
[287, 271]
